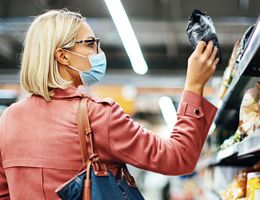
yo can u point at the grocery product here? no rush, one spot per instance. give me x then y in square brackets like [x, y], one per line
[238, 187]
[249, 117]
[200, 27]
[253, 186]
[244, 41]
[229, 72]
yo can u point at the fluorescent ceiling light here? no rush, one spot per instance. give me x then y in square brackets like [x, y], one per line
[127, 35]
[168, 111]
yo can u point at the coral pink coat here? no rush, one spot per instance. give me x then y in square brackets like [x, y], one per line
[40, 148]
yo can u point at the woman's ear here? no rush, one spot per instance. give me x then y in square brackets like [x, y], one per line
[61, 56]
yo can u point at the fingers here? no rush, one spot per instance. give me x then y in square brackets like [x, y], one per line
[207, 52]
[212, 60]
[215, 62]
[200, 47]
[213, 55]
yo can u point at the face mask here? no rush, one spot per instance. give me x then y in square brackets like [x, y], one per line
[98, 63]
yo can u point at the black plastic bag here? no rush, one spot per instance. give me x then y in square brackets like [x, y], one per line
[200, 27]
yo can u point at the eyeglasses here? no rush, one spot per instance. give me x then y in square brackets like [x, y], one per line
[90, 42]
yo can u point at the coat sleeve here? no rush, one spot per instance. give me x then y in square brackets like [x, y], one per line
[131, 143]
[4, 193]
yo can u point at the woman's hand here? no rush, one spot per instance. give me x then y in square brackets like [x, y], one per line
[201, 65]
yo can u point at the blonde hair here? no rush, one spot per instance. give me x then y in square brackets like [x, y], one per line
[39, 68]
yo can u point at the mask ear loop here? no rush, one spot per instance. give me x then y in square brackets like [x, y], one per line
[76, 53]
[74, 68]
[70, 65]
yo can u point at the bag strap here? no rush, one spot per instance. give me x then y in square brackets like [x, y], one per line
[84, 128]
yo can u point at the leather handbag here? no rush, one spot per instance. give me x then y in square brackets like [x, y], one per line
[94, 181]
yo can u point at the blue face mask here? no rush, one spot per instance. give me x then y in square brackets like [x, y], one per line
[98, 63]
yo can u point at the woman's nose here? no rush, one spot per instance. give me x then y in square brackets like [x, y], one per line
[99, 50]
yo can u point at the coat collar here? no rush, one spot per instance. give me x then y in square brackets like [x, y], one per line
[71, 92]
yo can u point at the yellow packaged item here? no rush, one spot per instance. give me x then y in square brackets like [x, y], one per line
[253, 186]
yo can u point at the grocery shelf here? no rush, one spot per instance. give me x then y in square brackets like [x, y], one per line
[248, 68]
[212, 195]
[250, 145]
[208, 161]
[222, 165]
[228, 152]
[227, 116]
[246, 152]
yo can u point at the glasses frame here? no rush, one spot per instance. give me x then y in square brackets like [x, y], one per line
[97, 40]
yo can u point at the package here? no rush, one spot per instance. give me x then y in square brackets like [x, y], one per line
[253, 186]
[238, 187]
[243, 42]
[200, 27]
[232, 68]
[249, 116]
[229, 72]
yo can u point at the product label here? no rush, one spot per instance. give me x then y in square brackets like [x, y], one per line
[257, 194]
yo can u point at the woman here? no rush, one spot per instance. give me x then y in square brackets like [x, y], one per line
[39, 142]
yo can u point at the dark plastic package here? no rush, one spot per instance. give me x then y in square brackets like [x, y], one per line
[244, 42]
[200, 27]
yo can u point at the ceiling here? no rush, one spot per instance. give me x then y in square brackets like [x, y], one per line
[159, 26]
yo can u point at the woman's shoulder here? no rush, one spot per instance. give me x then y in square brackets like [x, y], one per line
[19, 106]
[106, 100]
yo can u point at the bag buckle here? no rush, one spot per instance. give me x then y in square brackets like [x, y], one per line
[99, 168]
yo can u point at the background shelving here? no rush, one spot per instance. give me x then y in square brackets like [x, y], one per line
[245, 153]
[247, 73]
[248, 151]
